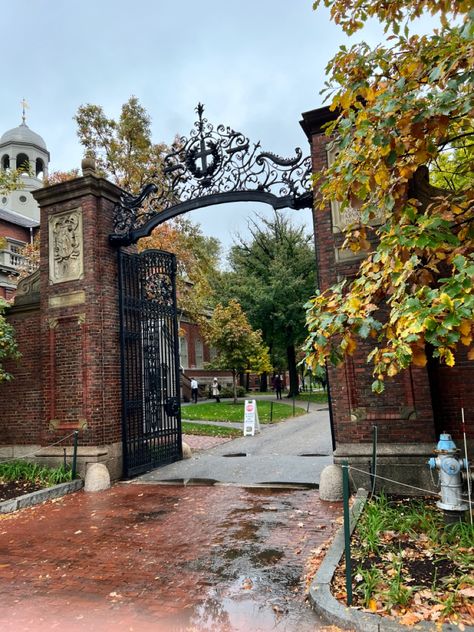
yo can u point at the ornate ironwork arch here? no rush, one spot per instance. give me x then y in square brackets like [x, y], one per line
[213, 166]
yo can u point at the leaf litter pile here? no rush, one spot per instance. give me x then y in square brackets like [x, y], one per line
[407, 563]
[13, 489]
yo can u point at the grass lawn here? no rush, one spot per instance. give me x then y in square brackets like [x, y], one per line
[228, 411]
[316, 398]
[207, 430]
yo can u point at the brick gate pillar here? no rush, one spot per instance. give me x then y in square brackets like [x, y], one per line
[403, 414]
[80, 352]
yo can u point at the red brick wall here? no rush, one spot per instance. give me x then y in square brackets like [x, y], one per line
[70, 369]
[15, 232]
[21, 406]
[192, 333]
[453, 389]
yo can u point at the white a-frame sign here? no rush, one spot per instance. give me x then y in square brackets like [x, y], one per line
[251, 421]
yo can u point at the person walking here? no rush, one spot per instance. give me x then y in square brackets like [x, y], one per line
[194, 390]
[278, 382]
[216, 387]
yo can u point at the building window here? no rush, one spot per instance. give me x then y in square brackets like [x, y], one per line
[6, 162]
[23, 198]
[23, 162]
[199, 350]
[183, 352]
[39, 168]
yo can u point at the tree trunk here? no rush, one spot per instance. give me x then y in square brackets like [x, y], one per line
[234, 384]
[264, 383]
[291, 359]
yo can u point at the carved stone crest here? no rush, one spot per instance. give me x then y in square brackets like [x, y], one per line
[66, 259]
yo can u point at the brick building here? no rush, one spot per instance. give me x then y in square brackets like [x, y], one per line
[20, 148]
[15, 231]
[419, 403]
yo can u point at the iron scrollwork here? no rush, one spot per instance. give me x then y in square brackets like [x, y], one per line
[215, 162]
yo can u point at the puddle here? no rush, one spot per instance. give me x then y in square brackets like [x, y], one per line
[151, 515]
[247, 530]
[267, 557]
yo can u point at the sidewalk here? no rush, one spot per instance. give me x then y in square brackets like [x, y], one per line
[293, 452]
[163, 559]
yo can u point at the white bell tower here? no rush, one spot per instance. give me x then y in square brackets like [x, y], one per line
[21, 148]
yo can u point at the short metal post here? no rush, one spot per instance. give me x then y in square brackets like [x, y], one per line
[74, 455]
[307, 407]
[271, 412]
[347, 530]
[373, 465]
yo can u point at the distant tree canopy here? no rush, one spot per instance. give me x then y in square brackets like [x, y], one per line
[273, 274]
[404, 109]
[239, 347]
[124, 152]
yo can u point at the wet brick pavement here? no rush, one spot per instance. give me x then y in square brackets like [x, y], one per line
[200, 442]
[162, 558]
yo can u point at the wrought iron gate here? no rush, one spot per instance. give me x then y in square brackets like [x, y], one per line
[151, 416]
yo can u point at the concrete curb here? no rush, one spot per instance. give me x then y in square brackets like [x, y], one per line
[346, 617]
[28, 500]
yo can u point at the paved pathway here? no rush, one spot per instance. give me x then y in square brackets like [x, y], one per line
[275, 456]
[163, 559]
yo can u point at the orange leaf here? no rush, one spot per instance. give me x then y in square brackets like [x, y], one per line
[410, 618]
[419, 358]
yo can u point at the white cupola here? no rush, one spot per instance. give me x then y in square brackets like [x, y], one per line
[21, 148]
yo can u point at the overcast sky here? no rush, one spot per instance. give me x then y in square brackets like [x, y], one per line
[255, 64]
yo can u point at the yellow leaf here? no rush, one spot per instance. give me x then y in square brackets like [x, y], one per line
[466, 340]
[449, 357]
[351, 346]
[392, 370]
[465, 327]
[372, 605]
[470, 354]
[354, 303]
[369, 94]
[457, 210]
[406, 171]
[346, 99]
[446, 300]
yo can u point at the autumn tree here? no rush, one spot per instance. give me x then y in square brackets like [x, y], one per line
[124, 151]
[401, 110]
[273, 274]
[123, 148]
[8, 345]
[239, 347]
[9, 180]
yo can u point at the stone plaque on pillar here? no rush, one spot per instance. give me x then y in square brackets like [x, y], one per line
[66, 247]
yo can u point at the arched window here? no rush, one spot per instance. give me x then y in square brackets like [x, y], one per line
[199, 351]
[183, 352]
[39, 168]
[6, 162]
[23, 162]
